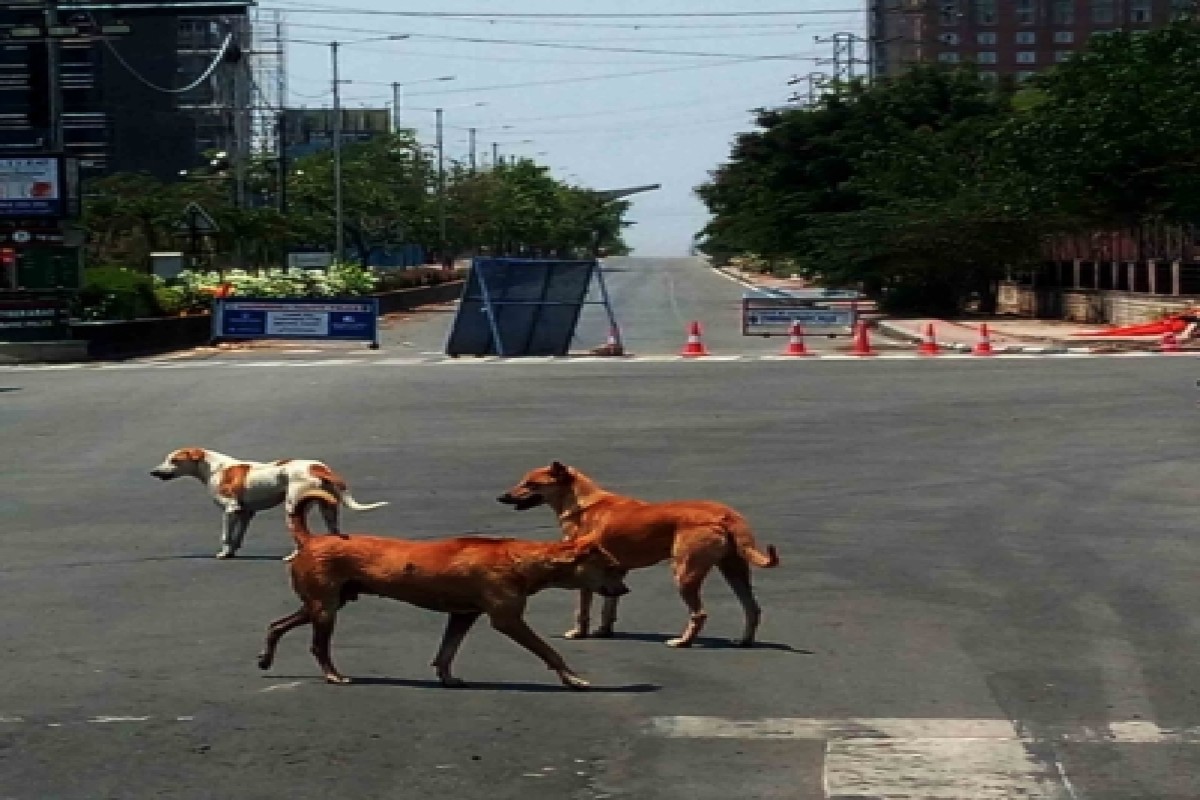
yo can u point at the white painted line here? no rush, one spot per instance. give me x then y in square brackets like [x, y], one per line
[281, 687]
[400, 362]
[118, 719]
[937, 769]
[11, 719]
[299, 352]
[252, 364]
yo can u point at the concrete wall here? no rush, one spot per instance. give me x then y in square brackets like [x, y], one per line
[1096, 306]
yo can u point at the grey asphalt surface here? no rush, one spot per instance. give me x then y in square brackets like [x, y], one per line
[967, 540]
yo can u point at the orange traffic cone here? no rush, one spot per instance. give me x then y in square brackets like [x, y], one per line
[1170, 343]
[862, 341]
[795, 346]
[694, 346]
[613, 346]
[984, 346]
[929, 345]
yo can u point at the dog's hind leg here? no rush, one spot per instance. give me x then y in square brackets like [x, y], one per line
[737, 573]
[323, 623]
[583, 616]
[275, 632]
[456, 630]
[510, 623]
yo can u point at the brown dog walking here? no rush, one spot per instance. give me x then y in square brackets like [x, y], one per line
[696, 534]
[463, 577]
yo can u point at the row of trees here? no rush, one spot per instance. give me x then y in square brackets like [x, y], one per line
[390, 196]
[926, 188]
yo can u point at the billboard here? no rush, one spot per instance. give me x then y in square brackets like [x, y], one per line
[32, 187]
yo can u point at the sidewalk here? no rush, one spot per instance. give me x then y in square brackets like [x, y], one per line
[1012, 334]
[1007, 334]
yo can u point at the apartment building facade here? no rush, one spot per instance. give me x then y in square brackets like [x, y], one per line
[1014, 38]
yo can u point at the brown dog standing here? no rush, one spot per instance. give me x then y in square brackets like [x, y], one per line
[697, 534]
[463, 577]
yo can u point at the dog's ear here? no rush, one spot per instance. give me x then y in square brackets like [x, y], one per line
[560, 472]
[189, 454]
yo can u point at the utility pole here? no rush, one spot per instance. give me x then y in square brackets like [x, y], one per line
[474, 164]
[339, 234]
[54, 103]
[814, 81]
[441, 187]
[281, 164]
[397, 105]
[844, 59]
[495, 154]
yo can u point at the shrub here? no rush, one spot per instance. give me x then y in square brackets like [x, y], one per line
[116, 293]
[414, 278]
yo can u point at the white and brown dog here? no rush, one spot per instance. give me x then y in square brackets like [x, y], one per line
[243, 488]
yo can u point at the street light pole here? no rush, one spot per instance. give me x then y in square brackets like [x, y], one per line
[474, 164]
[495, 154]
[339, 233]
[54, 103]
[441, 190]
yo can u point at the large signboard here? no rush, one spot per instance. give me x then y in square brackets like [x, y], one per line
[32, 187]
[349, 319]
[34, 317]
[830, 312]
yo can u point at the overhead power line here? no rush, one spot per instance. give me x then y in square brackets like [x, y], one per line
[326, 9]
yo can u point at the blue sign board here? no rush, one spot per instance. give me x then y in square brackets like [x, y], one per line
[335, 319]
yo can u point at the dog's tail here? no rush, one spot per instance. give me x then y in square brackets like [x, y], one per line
[743, 539]
[336, 485]
[298, 518]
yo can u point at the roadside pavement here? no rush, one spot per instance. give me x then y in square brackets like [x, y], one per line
[1007, 334]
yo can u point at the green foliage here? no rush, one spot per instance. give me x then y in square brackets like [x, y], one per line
[116, 293]
[926, 188]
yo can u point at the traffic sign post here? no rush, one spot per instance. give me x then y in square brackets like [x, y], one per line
[197, 225]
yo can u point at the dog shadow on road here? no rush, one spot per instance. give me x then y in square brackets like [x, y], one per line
[492, 686]
[709, 643]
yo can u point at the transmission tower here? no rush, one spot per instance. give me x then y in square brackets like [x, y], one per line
[268, 60]
[845, 58]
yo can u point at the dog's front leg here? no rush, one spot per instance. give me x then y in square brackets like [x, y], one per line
[234, 531]
[608, 618]
[583, 616]
[456, 630]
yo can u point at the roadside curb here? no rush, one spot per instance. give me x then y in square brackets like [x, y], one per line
[1054, 349]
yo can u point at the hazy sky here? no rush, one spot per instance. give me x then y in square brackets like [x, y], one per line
[669, 125]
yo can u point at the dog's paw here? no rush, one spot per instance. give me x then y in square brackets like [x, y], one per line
[226, 554]
[576, 633]
[678, 643]
[264, 661]
[603, 633]
[291, 556]
[574, 681]
[337, 679]
[742, 642]
[453, 683]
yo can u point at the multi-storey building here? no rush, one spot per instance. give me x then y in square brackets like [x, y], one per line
[122, 108]
[1002, 37]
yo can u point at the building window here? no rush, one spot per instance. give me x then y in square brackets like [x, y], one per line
[1026, 57]
[1064, 37]
[1025, 75]
[948, 13]
[948, 58]
[1102, 12]
[985, 38]
[1062, 12]
[987, 75]
[1026, 37]
[1025, 12]
[986, 57]
[948, 38]
[985, 12]
[1062, 55]
[1139, 11]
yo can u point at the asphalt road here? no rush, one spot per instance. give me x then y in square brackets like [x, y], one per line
[988, 584]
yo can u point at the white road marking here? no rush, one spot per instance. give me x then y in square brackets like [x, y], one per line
[282, 686]
[118, 719]
[927, 759]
